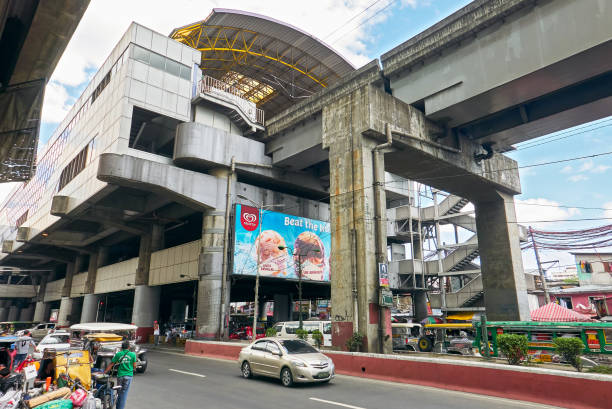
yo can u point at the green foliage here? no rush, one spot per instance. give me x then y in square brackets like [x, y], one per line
[570, 349]
[601, 369]
[301, 333]
[570, 281]
[317, 337]
[513, 346]
[353, 344]
[271, 332]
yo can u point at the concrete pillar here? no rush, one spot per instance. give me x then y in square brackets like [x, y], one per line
[352, 209]
[419, 305]
[145, 310]
[27, 313]
[4, 310]
[209, 269]
[505, 292]
[282, 308]
[65, 318]
[89, 312]
[13, 313]
[41, 311]
[146, 299]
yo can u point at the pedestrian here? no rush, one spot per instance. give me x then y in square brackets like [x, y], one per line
[125, 360]
[156, 332]
[23, 349]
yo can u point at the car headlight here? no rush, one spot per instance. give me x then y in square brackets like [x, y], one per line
[299, 364]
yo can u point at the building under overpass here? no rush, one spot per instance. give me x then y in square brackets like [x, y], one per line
[33, 36]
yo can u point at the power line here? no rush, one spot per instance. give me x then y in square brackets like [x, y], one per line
[352, 18]
[366, 20]
[563, 135]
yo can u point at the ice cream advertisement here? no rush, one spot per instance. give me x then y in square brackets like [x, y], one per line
[302, 241]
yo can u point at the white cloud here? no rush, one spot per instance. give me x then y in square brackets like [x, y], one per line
[586, 166]
[567, 169]
[600, 169]
[56, 104]
[538, 212]
[577, 178]
[608, 213]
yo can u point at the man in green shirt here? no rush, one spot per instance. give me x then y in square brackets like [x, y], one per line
[125, 360]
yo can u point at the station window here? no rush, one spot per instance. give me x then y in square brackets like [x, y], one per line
[75, 166]
[162, 63]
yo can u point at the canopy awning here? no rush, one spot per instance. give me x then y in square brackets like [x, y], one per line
[553, 312]
[461, 316]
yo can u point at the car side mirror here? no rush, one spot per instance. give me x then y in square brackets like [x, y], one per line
[278, 353]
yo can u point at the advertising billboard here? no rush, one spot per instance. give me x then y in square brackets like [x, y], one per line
[301, 240]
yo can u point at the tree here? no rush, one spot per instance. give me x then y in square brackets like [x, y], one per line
[317, 337]
[301, 334]
[513, 346]
[570, 349]
[353, 344]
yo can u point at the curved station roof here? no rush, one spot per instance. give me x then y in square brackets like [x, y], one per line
[272, 63]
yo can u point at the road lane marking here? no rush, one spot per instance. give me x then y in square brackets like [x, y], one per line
[188, 373]
[331, 402]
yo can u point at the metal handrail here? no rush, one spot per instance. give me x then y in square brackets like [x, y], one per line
[207, 84]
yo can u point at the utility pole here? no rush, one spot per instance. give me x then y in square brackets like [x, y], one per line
[541, 271]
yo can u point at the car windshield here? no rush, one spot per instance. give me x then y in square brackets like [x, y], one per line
[296, 346]
[57, 339]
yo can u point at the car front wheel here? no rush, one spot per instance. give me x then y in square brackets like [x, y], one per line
[286, 377]
[246, 370]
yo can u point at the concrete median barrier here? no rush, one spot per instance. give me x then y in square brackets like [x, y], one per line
[547, 386]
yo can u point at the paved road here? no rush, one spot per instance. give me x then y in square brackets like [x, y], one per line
[174, 380]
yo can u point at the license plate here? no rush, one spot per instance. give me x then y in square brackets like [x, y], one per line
[322, 375]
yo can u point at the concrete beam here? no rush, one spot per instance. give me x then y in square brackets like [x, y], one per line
[193, 189]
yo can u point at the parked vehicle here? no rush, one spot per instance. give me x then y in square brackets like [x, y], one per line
[58, 341]
[290, 360]
[289, 329]
[596, 337]
[449, 338]
[406, 336]
[15, 327]
[103, 339]
[42, 330]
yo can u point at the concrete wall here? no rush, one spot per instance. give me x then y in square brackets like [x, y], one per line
[17, 291]
[207, 116]
[167, 265]
[54, 290]
[78, 284]
[116, 277]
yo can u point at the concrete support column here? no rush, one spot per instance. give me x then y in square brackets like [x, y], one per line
[4, 310]
[145, 310]
[64, 318]
[419, 305]
[41, 311]
[41, 308]
[27, 313]
[282, 308]
[13, 313]
[354, 289]
[89, 312]
[503, 279]
[146, 298]
[209, 270]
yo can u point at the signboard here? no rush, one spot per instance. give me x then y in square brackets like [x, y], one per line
[54, 315]
[383, 275]
[301, 240]
[386, 298]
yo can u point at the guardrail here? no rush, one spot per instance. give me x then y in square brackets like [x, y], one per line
[210, 85]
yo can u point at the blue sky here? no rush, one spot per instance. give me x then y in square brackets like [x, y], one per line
[386, 24]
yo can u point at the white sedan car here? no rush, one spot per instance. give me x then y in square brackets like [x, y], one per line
[59, 341]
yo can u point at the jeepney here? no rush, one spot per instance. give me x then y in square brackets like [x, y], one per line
[596, 337]
[406, 336]
[103, 340]
[450, 338]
